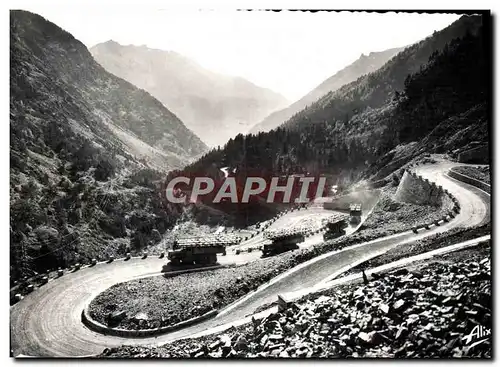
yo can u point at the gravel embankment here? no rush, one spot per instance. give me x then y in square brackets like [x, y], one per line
[479, 173]
[160, 301]
[430, 243]
[389, 216]
[422, 312]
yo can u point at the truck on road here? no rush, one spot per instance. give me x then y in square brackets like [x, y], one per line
[355, 213]
[283, 240]
[201, 250]
[335, 226]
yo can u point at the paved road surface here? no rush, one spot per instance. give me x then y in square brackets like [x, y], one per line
[48, 321]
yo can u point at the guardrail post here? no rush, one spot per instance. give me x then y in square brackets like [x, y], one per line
[282, 303]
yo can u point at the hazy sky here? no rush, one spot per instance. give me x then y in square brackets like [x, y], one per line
[288, 52]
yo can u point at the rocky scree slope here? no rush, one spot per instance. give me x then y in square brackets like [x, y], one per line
[364, 65]
[402, 314]
[215, 106]
[85, 150]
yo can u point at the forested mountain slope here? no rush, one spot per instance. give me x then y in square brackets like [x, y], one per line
[374, 89]
[82, 142]
[435, 83]
[364, 65]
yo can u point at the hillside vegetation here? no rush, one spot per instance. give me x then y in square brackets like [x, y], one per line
[364, 65]
[426, 311]
[85, 150]
[431, 97]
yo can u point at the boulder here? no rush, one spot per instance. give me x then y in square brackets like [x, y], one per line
[372, 338]
[117, 316]
[139, 317]
[241, 343]
[225, 341]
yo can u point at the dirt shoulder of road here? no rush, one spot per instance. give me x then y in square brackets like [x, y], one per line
[430, 243]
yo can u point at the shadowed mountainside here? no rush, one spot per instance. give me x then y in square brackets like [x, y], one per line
[85, 150]
[364, 65]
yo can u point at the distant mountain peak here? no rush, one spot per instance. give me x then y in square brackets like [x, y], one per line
[363, 65]
[215, 106]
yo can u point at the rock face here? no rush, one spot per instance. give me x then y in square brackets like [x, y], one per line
[86, 149]
[364, 65]
[215, 106]
[60, 96]
[416, 190]
[479, 155]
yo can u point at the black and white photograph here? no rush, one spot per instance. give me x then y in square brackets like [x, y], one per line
[198, 183]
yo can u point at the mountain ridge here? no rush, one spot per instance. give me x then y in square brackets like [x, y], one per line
[349, 134]
[214, 105]
[86, 149]
[363, 65]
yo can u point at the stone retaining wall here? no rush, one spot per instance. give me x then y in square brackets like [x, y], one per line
[471, 181]
[418, 190]
[367, 199]
[88, 321]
